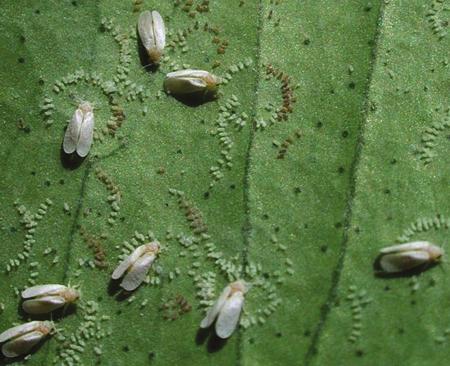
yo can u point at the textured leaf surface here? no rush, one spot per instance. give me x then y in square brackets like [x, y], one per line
[297, 201]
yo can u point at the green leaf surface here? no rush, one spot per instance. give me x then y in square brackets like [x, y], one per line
[328, 141]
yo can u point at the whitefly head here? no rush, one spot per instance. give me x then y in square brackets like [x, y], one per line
[152, 247]
[85, 107]
[239, 286]
[71, 295]
[435, 252]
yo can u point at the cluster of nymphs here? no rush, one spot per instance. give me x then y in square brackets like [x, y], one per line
[152, 32]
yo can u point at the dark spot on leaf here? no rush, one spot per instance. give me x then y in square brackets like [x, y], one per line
[413, 302]
[305, 226]
[341, 170]
[323, 248]
[394, 161]
[232, 186]
[432, 282]
[61, 181]
[47, 182]
[359, 353]
[206, 195]
[33, 173]
[22, 38]
[297, 190]
[387, 191]
[276, 229]
[37, 11]
[344, 134]
[21, 60]
[265, 217]
[386, 288]
[41, 81]
[338, 225]
[251, 340]
[307, 41]
[319, 124]
[352, 85]
[125, 348]
[179, 151]
[74, 3]
[401, 331]
[307, 333]
[13, 229]
[151, 356]
[357, 230]
[122, 219]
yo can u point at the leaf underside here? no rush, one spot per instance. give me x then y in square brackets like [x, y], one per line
[328, 141]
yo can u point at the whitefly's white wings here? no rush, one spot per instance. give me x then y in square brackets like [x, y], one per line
[416, 245]
[137, 272]
[214, 310]
[19, 330]
[128, 262]
[43, 304]
[41, 290]
[151, 30]
[86, 134]
[402, 261]
[22, 344]
[229, 315]
[159, 30]
[73, 132]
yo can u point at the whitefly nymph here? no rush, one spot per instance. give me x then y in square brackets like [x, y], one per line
[21, 339]
[408, 256]
[80, 131]
[43, 299]
[190, 81]
[227, 309]
[135, 267]
[152, 32]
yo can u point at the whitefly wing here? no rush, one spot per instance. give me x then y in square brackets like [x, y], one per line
[73, 132]
[22, 345]
[403, 261]
[137, 272]
[159, 30]
[86, 134]
[42, 305]
[145, 29]
[229, 315]
[214, 310]
[19, 330]
[128, 262]
[41, 290]
[416, 245]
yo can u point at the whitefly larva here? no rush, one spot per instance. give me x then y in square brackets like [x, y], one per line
[134, 268]
[405, 257]
[190, 81]
[153, 34]
[21, 339]
[226, 309]
[43, 299]
[80, 132]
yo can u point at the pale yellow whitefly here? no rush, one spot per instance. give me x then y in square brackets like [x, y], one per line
[42, 299]
[80, 131]
[135, 267]
[190, 81]
[152, 33]
[227, 309]
[21, 339]
[407, 256]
